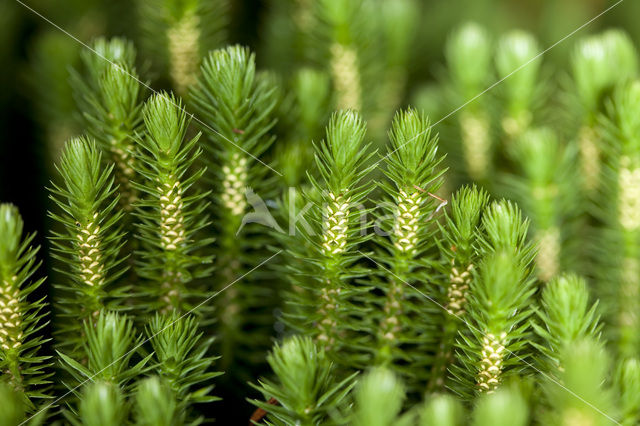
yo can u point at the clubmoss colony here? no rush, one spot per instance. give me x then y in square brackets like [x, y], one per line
[255, 248]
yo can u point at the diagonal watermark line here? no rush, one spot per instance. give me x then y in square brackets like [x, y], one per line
[208, 299]
[501, 80]
[121, 69]
[482, 333]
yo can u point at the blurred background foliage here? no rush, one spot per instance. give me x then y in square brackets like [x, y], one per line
[37, 108]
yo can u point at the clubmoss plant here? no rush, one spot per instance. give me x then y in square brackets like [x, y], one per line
[628, 384]
[181, 360]
[156, 404]
[108, 94]
[582, 394]
[237, 105]
[111, 346]
[324, 309]
[177, 34]
[102, 404]
[379, 397]
[620, 239]
[566, 319]
[172, 210]
[412, 167]
[22, 319]
[459, 262]
[518, 61]
[506, 407]
[598, 63]
[443, 410]
[468, 53]
[305, 119]
[307, 390]
[87, 247]
[545, 188]
[499, 303]
[341, 29]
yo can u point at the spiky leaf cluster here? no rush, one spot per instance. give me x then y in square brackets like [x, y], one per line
[581, 394]
[108, 93]
[499, 303]
[460, 258]
[172, 211]
[628, 384]
[237, 105]
[566, 318]
[441, 410]
[378, 399]
[102, 404]
[182, 360]
[86, 248]
[414, 175]
[506, 407]
[599, 62]
[112, 347]
[326, 306]
[307, 389]
[22, 365]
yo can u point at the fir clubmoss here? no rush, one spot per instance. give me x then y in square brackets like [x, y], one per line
[236, 105]
[108, 94]
[22, 365]
[88, 246]
[172, 210]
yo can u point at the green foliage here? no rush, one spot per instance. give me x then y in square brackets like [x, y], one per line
[12, 411]
[545, 189]
[87, 247]
[23, 367]
[499, 305]
[468, 54]
[448, 318]
[51, 54]
[617, 253]
[599, 62]
[331, 237]
[305, 119]
[108, 95]
[111, 343]
[180, 354]
[628, 384]
[566, 319]
[102, 403]
[171, 212]
[460, 258]
[582, 394]
[443, 410]
[414, 175]
[307, 390]
[379, 396]
[518, 59]
[156, 404]
[506, 407]
[237, 105]
[176, 34]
